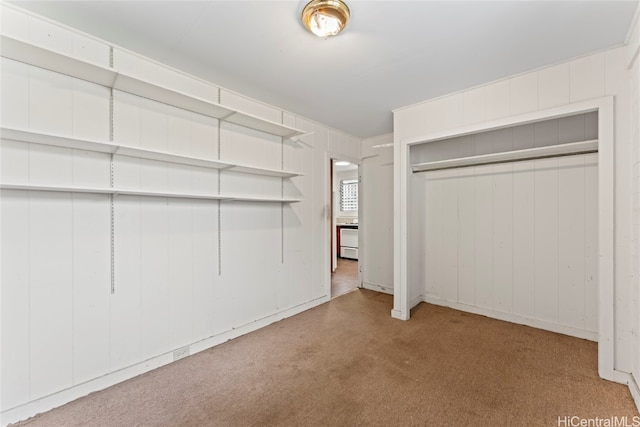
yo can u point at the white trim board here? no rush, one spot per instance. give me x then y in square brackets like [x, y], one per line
[605, 108]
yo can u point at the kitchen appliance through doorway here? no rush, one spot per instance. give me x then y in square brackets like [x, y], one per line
[344, 183]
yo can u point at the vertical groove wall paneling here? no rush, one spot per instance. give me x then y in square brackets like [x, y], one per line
[484, 222]
[571, 236]
[591, 297]
[466, 236]
[91, 286]
[14, 304]
[546, 239]
[50, 293]
[513, 238]
[502, 251]
[181, 285]
[523, 239]
[154, 276]
[586, 82]
[126, 301]
[162, 254]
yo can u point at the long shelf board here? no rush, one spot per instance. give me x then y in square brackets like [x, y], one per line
[162, 156]
[124, 150]
[132, 192]
[136, 86]
[559, 150]
[262, 199]
[22, 135]
[254, 122]
[29, 53]
[56, 189]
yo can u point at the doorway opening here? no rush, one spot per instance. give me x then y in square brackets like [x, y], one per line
[344, 227]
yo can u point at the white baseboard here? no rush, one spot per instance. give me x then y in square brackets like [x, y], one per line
[255, 325]
[630, 381]
[378, 288]
[415, 301]
[406, 314]
[634, 389]
[62, 397]
[514, 318]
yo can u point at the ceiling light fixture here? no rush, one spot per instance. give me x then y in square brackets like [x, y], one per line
[342, 163]
[325, 18]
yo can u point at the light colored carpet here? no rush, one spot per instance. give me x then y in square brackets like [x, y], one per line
[347, 363]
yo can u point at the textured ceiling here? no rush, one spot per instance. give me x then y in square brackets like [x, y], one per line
[392, 53]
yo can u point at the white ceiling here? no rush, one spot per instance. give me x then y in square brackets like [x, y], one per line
[392, 53]
[345, 168]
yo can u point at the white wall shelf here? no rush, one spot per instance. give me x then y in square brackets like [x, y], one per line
[32, 54]
[559, 150]
[55, 188]
[29, 53]
[124, 150]
[147, 193]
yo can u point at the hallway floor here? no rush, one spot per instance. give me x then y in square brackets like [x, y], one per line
[345, 278]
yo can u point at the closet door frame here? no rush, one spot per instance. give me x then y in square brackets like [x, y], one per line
[403, 298]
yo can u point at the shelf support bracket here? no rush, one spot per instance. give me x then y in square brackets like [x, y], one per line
[297, 139]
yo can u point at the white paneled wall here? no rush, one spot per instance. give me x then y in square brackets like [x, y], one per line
[41, 100]
[18, 24]
[55, 294]
[376, 213]
[162, 75]
[574, 81]
[519, 239]
[608, 73]
[98, 288]
[633, 65]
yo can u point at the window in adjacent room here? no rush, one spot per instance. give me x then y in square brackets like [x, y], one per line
[349, 195]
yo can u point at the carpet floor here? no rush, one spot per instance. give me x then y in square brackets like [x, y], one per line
[348, 363]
